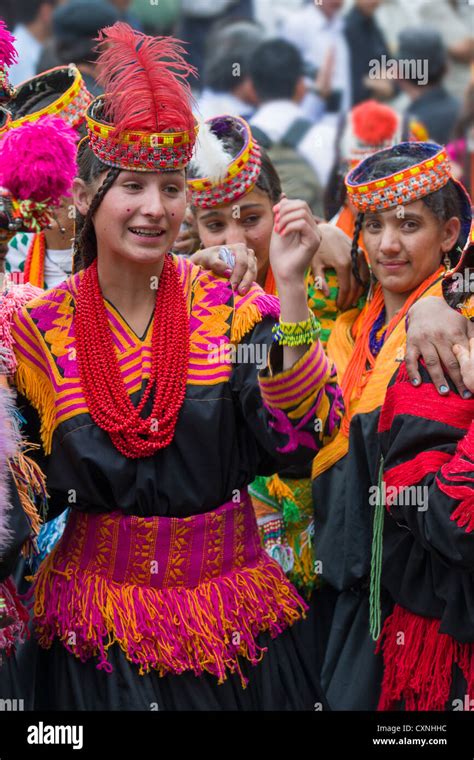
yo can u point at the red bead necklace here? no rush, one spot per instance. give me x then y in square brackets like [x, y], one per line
[106, 395]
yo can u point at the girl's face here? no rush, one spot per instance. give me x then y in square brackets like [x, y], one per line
[406, 245]
[139, 216]
[248, 220]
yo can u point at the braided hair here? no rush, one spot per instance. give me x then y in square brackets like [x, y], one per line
[85, 242]
[355, 247]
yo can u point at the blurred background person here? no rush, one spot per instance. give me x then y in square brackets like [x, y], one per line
[198, 18]
[301, 152]
[32, 30]
[126, 13]
[317, 30]
[366, 43]
[76, 24]
[461, 147]
[156, 17]
[454, 20]
[227, 86]
[426, 98]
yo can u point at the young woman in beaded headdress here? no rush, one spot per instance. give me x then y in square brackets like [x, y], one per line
[415, 220]
[140, 375]
[426, 549]
[43, 257]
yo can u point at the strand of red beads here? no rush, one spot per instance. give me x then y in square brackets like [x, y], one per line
[105, 392]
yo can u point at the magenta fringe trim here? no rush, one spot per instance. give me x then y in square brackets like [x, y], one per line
[205, 628]
[17, 616]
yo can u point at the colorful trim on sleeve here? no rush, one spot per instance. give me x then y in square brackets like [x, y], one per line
[305, 400]
[292, 387]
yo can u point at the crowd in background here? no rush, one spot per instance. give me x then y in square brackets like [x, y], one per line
[292, 69]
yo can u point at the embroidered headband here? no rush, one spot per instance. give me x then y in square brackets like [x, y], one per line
[144, 121]
[137, 150]
[232, 180]
[401, 187]
[62, 89]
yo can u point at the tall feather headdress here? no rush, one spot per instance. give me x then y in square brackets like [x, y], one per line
[144, 120]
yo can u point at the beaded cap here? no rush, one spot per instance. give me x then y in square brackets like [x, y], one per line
[403, 187]
[137, 150]
[58, 92]
[144, 120]
[242, 172]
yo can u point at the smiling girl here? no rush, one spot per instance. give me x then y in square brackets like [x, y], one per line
[158, 595]
[415, 220]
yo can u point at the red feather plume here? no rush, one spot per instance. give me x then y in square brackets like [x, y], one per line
[374, 123]
[145, 80]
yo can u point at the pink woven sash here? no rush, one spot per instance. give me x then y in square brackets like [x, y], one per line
[175, 594]
[162, 552]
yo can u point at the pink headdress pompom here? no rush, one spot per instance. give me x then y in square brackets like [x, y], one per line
[38, 160]
[8, 53]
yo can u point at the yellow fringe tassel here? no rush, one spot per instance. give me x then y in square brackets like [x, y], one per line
[39, 392]
[243, 321]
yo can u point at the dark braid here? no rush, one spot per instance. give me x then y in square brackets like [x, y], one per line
[85, 243]
[355, 247]
[32, 101]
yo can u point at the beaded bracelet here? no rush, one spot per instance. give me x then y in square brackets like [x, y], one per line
[297, 333]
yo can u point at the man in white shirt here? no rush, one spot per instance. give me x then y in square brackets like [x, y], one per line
[227, 87]
[317, 30]
[276, 71]
[33, 30]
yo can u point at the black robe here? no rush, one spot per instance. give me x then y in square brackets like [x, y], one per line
[224, 437]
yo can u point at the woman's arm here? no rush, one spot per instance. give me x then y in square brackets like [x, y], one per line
[433, 329]
[291, 413]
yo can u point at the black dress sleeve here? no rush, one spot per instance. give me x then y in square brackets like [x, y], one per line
[428, 449]
[291, 413]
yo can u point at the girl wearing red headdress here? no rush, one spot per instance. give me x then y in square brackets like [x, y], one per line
[159, 594]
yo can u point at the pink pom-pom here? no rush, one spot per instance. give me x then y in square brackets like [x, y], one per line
[8, 54]
[38, 160]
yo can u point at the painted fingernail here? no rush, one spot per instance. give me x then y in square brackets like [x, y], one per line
[282, 231]
[466, 394]
[228, 272]
[443, 389]
[243, 289]
[415, 381]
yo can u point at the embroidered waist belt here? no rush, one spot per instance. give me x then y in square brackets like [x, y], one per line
[175, 594]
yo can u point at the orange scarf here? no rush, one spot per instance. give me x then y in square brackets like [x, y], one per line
[363, 378]
[34, 264]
